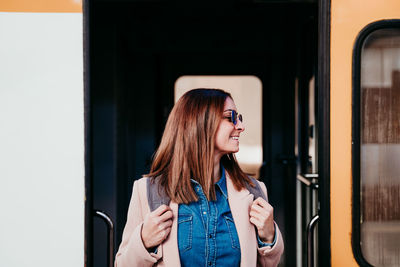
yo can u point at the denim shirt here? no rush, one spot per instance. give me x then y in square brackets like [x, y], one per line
[206, 231]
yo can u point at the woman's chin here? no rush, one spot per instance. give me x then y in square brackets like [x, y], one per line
[235, 150]
[229, 150]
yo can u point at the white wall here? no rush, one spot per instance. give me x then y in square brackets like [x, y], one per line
[41, 140]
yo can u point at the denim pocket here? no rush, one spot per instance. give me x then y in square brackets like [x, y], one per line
[232, 232]
[185, 228]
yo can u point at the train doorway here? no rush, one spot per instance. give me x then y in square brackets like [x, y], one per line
[137, 52]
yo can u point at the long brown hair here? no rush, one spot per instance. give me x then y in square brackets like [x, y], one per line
[186, 150]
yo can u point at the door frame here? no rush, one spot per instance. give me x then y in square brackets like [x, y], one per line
[323, 109]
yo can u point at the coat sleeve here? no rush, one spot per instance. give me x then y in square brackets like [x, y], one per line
[131, 252]
[268, 256]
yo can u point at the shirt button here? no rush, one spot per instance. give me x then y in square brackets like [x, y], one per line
[210, 236]
[204, 212]
[209, 263]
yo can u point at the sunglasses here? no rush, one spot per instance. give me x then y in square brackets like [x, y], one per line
[234, 117]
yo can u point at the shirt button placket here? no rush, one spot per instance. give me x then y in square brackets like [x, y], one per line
[204, 208]
[211, 233]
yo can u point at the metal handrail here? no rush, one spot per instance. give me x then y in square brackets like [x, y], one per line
[310, 240]
[110, 227]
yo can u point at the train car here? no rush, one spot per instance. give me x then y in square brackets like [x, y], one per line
[365, 199]
[86, 88]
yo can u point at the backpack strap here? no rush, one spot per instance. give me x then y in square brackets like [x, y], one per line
[156, 195]
[256, 191]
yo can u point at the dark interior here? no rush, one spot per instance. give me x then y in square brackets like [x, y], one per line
[137, 50]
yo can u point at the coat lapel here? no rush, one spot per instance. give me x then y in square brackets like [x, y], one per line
[170, 245]
[240, 202]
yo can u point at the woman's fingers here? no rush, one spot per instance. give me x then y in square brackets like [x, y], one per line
[165, 225]
[255, 222]
[156, 226]
[259, 221]
[256, 215]
[258, 209]
[262, 202]
[160, 215]
[262, 217]
[262, 207]
[163, 230]
[166, 216]
[166, 233]
[160, 210]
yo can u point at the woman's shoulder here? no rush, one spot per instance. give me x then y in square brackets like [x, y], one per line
[150, 189]
[146, 182]
[140, 186]
[141, 182]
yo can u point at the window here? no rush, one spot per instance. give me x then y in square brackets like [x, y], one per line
[377, 141]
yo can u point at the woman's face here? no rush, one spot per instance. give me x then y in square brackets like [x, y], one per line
[227, 135]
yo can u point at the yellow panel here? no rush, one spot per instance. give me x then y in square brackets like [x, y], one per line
[348, 17]
[53, 6]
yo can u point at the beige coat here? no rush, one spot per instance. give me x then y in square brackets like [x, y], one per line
[132, 252]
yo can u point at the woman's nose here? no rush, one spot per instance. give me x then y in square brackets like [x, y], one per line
[239, 126]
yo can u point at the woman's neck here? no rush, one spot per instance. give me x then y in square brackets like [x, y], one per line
[217, 168]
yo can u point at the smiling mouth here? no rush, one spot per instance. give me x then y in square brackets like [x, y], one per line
[235, 137]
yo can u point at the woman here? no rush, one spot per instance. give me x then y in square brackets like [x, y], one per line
[212, 219]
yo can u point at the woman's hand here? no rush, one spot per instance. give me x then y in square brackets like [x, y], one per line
[156, 226]
[262, 216]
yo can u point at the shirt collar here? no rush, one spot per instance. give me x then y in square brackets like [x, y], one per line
[221, 184]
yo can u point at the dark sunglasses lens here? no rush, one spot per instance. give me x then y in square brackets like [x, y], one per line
[240, 117]
[233, 117]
